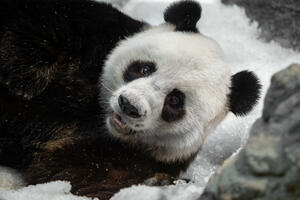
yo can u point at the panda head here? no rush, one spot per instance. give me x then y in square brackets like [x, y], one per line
[167, 87]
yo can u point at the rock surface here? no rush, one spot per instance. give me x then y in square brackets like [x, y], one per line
[279, 20]
[269, 165]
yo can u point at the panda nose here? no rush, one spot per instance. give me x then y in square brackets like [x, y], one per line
[127, 108]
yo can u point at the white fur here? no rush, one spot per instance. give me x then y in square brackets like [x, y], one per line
[189, 62]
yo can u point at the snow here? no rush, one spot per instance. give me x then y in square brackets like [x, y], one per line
[58, 190]
[243, 50]
[180, 191]
[10, 179]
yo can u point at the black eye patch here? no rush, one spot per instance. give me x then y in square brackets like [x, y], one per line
[173, 109]
[139, 69]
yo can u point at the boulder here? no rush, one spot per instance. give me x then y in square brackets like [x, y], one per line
[269, 165]
[279, 20]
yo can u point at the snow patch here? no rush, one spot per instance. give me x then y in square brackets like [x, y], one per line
[58, 190]
[180, 191]
[10, 179]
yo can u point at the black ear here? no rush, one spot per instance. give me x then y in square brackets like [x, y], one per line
[184, 15]
[245, 91]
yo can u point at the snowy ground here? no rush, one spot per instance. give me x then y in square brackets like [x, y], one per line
[243, 50]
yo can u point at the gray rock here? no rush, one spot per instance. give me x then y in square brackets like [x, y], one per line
[269, 165]
[279, 20]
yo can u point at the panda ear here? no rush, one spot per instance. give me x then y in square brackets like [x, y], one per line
[184, 15]
[245, 91]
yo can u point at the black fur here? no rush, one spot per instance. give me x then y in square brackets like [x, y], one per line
[51, 127]
[173, 112]
[136, 70]
[245, 91]
[184, 15]
[43, 42]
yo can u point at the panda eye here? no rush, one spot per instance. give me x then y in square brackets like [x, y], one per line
[145, 70]
[139, 69]
[175, 99]
[173, 109]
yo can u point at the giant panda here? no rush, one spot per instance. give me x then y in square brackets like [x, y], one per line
[94, 97]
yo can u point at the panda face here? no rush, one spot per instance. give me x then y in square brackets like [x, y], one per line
[166, 90]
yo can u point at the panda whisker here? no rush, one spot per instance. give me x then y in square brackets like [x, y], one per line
[106, 87]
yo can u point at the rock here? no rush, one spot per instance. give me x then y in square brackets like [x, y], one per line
[279, 20]
[269, 165]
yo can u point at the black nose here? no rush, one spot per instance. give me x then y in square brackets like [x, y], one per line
[128, 108]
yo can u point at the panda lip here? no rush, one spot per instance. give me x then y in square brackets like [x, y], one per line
[118, 119]
[120, 125]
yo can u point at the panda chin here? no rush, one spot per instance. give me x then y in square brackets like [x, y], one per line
[119, 125]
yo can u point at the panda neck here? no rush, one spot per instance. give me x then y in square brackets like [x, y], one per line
[175, 148]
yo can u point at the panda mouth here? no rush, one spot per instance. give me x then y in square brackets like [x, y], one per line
[120, 125]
